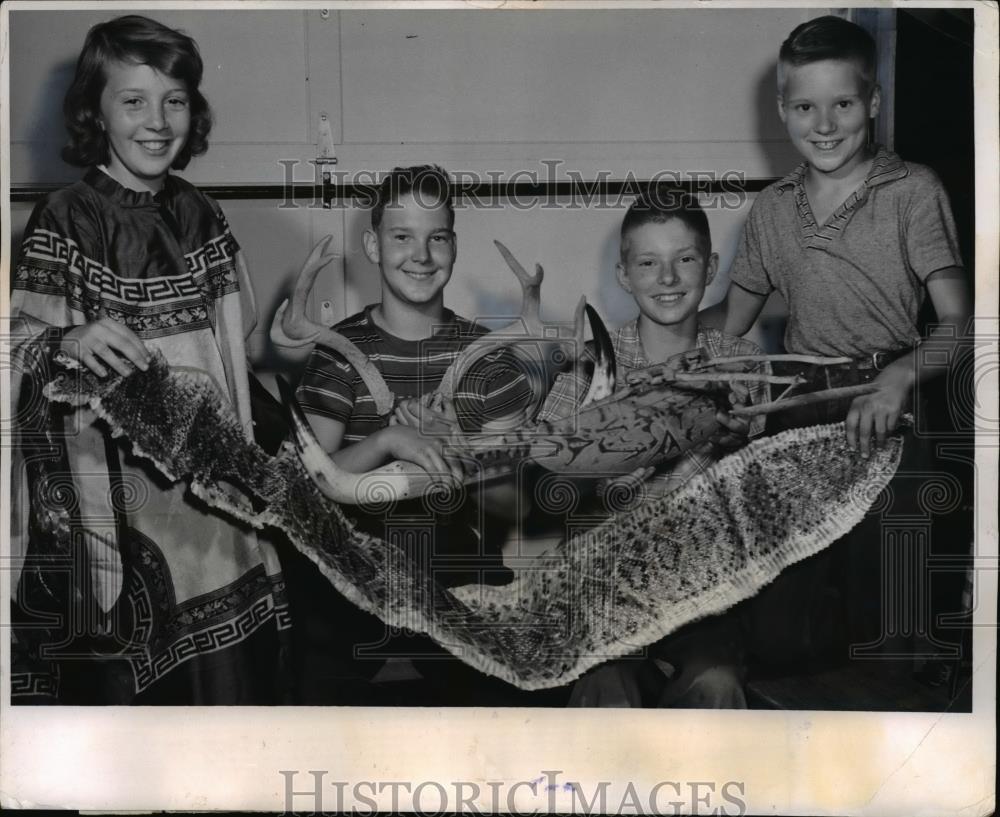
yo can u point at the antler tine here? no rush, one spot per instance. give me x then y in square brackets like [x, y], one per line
[603, 381]
[372, 377]
[291, 328]
[396, 481]
[531, 288]
[808, 399]
[579, 333]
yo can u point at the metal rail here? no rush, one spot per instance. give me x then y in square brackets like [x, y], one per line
[328, 192]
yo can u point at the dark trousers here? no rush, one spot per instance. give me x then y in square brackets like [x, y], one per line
[847, 602]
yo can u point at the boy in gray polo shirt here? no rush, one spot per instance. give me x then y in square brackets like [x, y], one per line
[854, 239]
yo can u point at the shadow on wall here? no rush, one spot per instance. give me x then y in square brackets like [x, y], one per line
[614, 304]
[46, 133]
[362, 285]
[274, 262]
[20, 212]
[769, 330]
[769, 129]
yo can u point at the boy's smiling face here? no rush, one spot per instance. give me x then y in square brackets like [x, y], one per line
[666, 267]
[414, 248]
[826, 106]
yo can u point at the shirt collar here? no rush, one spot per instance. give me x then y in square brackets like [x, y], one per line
[106, 184]
[628, 346]
[792, 179]
[448, 327]
[629, 353]
[886, 167]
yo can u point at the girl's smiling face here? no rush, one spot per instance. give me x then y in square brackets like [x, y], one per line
[146, 116]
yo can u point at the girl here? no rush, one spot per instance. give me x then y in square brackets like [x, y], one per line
[164, 601]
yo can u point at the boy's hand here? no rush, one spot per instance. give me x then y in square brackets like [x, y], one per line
[428, 414]
[878, 413]
[105, 341]
[692, 462]
[407, 443]
[737, 432]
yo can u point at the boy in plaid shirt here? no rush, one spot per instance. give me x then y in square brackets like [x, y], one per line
[666, 261]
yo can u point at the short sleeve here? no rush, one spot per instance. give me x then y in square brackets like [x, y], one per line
[491, 389]
[565, 395]
[568, 389]
[220, 216]
[60, 245]
[748, 269]
[327, 385]
[931, 239]
[508, 392]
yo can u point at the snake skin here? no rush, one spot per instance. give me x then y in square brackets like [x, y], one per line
[628, 581]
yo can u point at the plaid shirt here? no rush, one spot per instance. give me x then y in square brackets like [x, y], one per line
[570, 388]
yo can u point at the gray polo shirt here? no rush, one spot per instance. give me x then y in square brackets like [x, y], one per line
[854, 285]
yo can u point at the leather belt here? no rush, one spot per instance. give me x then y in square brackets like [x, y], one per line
[879, 360]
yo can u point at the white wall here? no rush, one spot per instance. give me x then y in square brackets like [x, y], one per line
[619, 92]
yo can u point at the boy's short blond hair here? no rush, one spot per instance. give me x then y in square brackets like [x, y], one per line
[660, 204]
[428, 184]
[828, 38]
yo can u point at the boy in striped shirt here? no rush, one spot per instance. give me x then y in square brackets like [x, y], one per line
[412, 338]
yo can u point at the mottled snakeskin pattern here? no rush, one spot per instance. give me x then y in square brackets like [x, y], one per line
[601, 593]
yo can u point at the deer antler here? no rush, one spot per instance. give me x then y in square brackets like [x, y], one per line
[400, 480]
[530, 328]
[291, 328]
[605, 376]
[396, 481]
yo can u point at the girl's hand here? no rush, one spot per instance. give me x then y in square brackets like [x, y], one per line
[402, 442]
[878, 413]
[105, 342]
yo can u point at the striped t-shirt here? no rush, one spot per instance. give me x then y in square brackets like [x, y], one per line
[331, 387]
